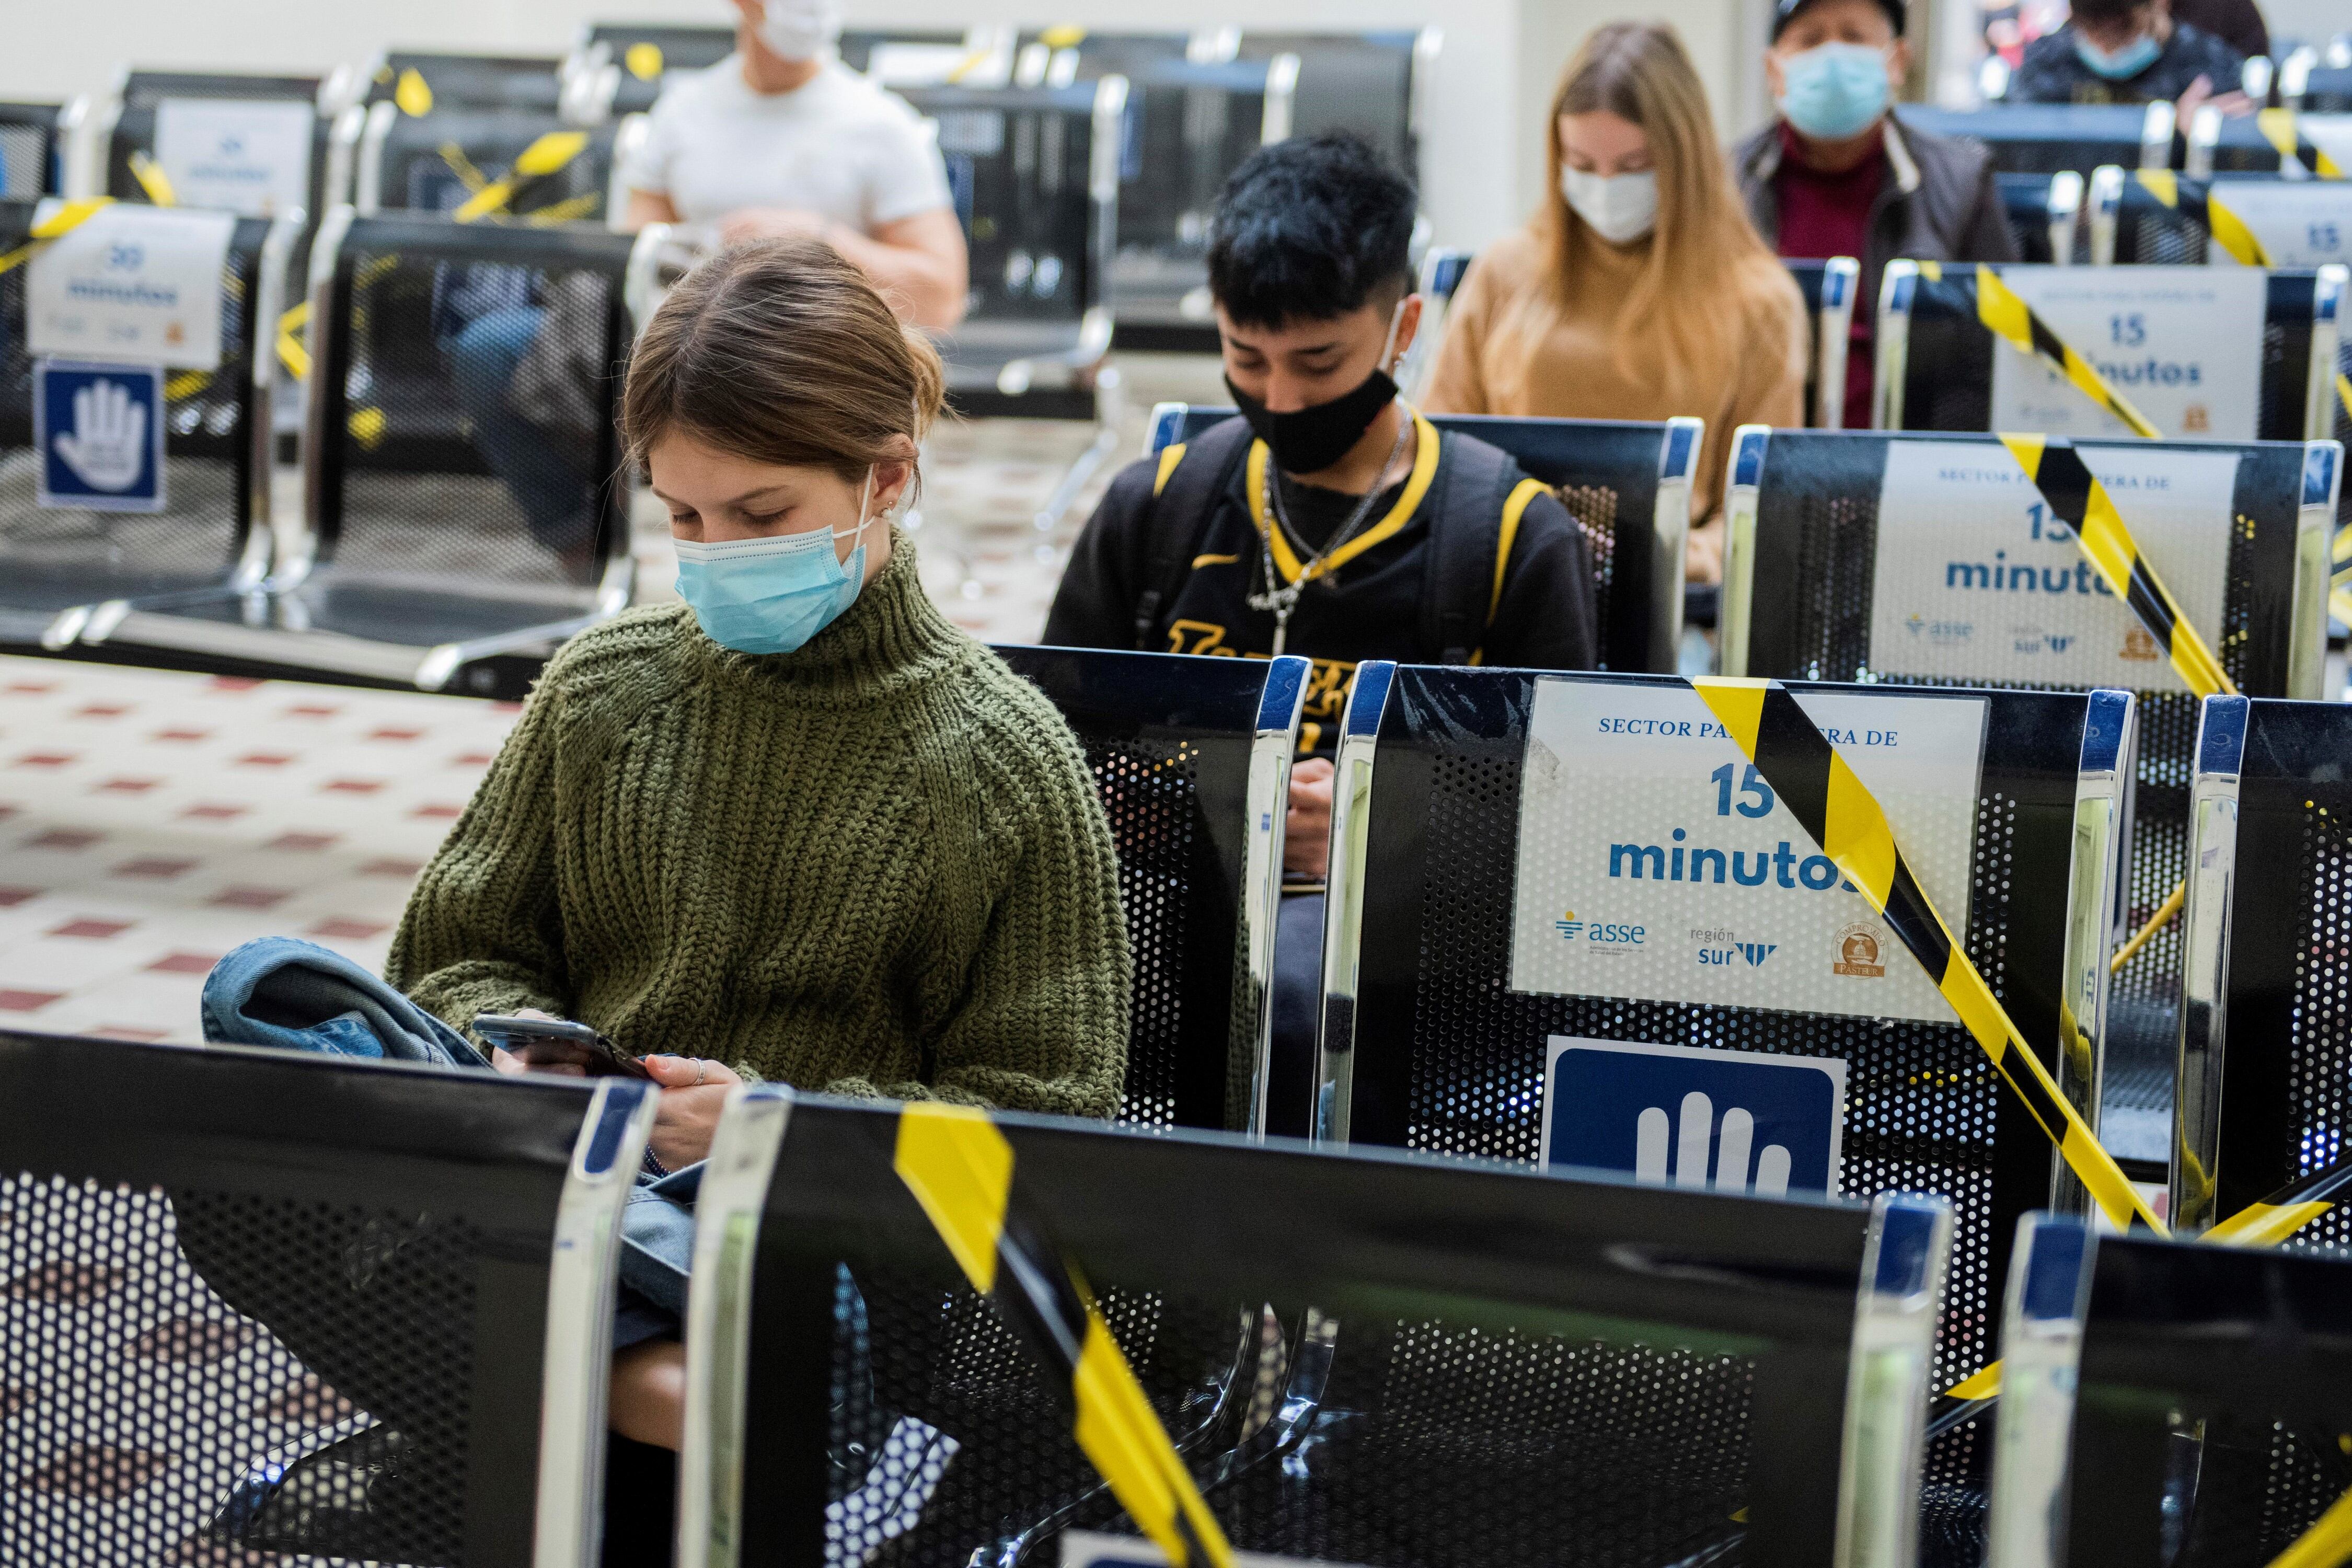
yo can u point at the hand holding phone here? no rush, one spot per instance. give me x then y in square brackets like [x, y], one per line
[552, 1045]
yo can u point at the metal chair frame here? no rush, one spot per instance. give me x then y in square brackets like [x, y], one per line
[1642, 612]
[2296, 295]
[100, 165]
[2115, 197]
[546, 1166]
[1225, 964]
[1828, 288]
[2044, 138]
[797, 1184]
[2044, 213]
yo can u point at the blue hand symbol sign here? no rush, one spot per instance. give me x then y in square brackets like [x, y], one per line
[106, 447]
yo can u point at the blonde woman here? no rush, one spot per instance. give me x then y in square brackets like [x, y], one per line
[1640, 291]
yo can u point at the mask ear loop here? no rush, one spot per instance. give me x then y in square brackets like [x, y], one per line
[865, 497]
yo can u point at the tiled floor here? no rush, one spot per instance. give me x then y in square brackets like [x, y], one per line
[149, 822]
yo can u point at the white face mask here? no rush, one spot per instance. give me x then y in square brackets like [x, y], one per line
[801, 29]
[1620, 208]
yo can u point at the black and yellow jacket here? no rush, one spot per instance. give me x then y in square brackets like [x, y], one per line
[1472, 562]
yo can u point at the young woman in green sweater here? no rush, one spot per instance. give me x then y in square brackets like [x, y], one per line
[799, 828]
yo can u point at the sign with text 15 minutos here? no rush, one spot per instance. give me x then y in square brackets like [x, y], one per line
[1655, 862]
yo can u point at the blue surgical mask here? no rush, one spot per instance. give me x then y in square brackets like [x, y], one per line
[772, 594]
[1834, 91]
[2125, 63]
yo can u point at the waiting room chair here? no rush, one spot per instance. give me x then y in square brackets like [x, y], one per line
[2044, 214]
[1828, 288]
[420, 80]
[2163, 1402]
[32, 145]
[157, 138]
[1366, 1359]
[484, 163]
[464, 492]
[1446, 1028]
[2263, 1028]
[646, 53]
[1833, 547]
[1194, 111]
[2044, 138]
[1375, 83]
[1193, 757]
[2221, 143]
[206, 538]
[2138, 217]
[254, 1303]
[1611, 474]
[2202, 352]
[2318, 81]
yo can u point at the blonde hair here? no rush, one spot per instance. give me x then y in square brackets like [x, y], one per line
[783, 353]
[1706, 261]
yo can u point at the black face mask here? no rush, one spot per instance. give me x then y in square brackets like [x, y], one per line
[1310, 440]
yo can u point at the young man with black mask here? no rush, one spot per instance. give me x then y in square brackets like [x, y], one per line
[1327, 519]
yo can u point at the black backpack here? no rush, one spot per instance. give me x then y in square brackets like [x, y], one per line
[1458, 600]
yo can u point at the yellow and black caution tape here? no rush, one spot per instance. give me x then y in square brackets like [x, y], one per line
[2280, 129]
[2075, 495]
[153, 180]
[414, 94]
[644, 60]
[2196, 198]
[547, 155]
[69, 217]
[1835, 806]
[1063, 36]
[2010, 318]
[960, 1168]
[291, 350]
[2327, 1544]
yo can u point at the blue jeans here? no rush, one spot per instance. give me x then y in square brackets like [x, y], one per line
[295, 995]
[556, 497]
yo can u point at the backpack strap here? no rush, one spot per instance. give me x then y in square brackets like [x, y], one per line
[1460, 550]
[1192, 475]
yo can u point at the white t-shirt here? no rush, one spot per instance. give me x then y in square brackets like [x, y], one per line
[837, 146]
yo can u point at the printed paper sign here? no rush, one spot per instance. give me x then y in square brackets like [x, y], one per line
[2331, 133]
[237, 155]
[135, 283]
[1086, 1549]
[99, 431]
[1738, 1122]
[2302, 223]
[1975, 581]
[2183, 345]
[1655, 862]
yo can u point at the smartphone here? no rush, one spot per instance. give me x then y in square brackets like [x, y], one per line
[515, 1035]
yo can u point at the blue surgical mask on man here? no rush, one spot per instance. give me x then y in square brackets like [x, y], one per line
[2125, 63]
[1834, 91]
[772, 593]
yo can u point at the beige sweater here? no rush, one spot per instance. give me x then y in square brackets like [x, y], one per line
[1570, 371]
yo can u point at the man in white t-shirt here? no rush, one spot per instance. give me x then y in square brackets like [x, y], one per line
[780, 139]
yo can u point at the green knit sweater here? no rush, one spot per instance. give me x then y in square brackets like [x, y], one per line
[875, 866]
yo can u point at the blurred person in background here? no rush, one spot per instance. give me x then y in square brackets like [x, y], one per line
[1640, 291]
[1833, 175]
[780, 140]
[2237, 23]
[2131, 51]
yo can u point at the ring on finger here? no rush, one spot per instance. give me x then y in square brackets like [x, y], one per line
[701, 1068]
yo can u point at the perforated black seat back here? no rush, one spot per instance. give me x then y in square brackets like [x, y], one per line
[453, 344]
[1462, 1367]
[1169, 739]
[54, 558]
[234, 1259]
[2214, 1389]
[28, 150]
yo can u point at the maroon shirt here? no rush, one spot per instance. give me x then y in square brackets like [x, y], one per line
[1828, 214]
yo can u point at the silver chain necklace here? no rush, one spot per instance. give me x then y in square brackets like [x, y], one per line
[1280, 598]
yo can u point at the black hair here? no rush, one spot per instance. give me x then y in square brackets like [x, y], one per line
[1308, 229]
[2105, 10]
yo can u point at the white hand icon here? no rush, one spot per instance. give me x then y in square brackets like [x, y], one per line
[106, 447]
[1691, 1142]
